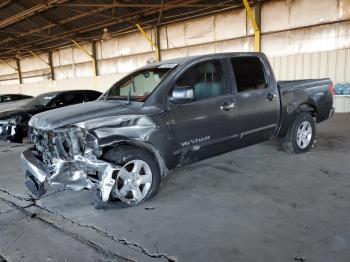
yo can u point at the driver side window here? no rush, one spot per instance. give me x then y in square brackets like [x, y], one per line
[207, 80]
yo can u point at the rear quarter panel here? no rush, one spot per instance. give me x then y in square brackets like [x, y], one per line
[304, 95]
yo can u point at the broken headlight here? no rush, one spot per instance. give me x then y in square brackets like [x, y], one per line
[91, 145]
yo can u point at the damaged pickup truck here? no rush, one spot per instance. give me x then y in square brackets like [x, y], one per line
[167, 115]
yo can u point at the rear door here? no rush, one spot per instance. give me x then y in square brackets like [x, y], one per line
[207, 125]
[257, 99]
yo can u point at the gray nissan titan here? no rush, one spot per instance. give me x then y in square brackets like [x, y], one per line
[168, 115]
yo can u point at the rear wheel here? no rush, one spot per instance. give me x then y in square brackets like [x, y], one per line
[301, 135]
[139, 179]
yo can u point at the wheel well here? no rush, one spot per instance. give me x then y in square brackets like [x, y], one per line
[145, 147]
[308, 108]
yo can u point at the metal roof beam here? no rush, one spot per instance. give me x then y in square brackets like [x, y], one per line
[99, 25]
[58, 23]
[143, 5]
[29, 12]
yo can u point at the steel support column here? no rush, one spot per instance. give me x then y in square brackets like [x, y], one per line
[88, 54]
[93, 49]
[156, 33]
[18, 64]
[92, 58]
[148, 38]
[52, 72]
[255, 20]
[49, 64]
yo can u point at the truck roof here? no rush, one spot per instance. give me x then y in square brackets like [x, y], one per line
[183, 60]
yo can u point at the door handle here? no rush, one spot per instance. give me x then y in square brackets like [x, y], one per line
[227, 106]
[270, 96]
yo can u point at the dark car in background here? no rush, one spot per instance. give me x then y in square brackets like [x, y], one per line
[14, 122]
[13, 97]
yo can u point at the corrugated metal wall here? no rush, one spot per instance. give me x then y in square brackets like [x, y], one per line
[302, 38]
[334, 64]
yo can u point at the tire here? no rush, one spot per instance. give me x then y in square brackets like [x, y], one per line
[301, 135]
[129, 157]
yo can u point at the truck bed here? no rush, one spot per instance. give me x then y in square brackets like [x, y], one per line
[305, 83]
[314, 94]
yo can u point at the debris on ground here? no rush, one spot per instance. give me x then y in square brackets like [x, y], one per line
[300, 259]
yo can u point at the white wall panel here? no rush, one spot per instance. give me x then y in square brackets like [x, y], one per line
[83, 70]
[134, 43]
[108, 66]
[347, 66]
[272, 43]
[173, 35]
[307, 40]
[238, 45]
[108, 48]
[35, 79]
[201, 49]
[79, 56]
[32, 63]
[340, 74]
[200, 30]
[309, 12]
[230, 25]
[64, 72]
[62, 57]
[6, 84]
[333, 64]
[275, 16]
[344, 9]
[6, 69]
[314, 65]
[173, 53]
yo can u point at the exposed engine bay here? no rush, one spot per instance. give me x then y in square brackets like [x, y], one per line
[71, 159]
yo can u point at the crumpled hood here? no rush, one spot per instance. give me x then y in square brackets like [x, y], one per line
[82, 112]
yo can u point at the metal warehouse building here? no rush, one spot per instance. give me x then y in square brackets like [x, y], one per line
[175, 130]
[58, 45]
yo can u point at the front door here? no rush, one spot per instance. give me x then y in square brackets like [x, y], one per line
[207, 125]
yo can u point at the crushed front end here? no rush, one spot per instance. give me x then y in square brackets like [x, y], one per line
[11, 129]
[69, 157]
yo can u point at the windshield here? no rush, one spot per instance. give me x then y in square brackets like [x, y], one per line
[137, 86]
[41, 100]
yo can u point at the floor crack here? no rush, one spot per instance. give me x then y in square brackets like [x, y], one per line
[129, 244]
[132, 245]
[77, 237]
[2, 258]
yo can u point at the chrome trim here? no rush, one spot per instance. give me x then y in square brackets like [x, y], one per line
[257, 130]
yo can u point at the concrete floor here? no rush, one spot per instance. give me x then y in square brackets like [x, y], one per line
[253, 204]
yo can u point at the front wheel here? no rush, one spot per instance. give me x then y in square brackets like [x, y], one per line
[301, 135]
[139, 179]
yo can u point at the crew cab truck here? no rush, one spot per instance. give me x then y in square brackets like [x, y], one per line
[170, 114]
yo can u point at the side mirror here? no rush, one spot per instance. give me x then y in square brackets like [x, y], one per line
[182, 94]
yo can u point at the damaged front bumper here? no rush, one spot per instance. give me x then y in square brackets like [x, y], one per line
[7, 130]
[13, 130]
[76, 174]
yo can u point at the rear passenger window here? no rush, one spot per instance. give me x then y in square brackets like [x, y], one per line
[74, 98]
[249, 73]
[207, 79]
[92, 96]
